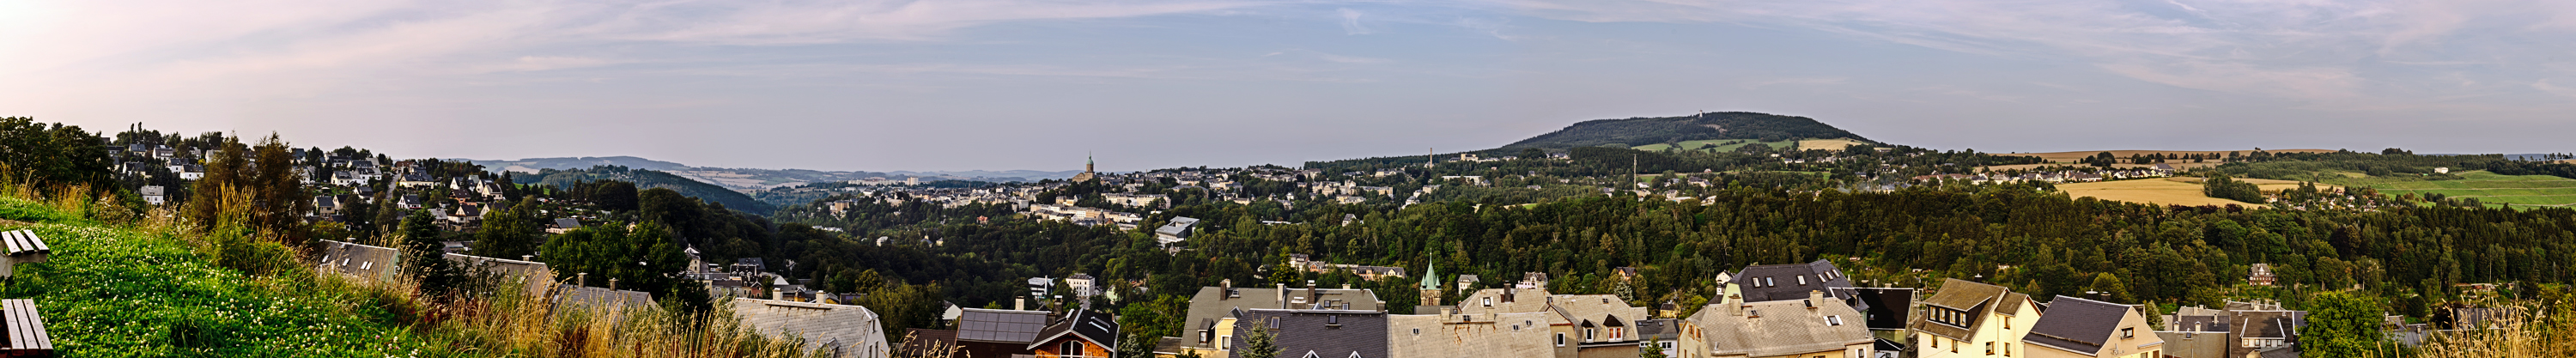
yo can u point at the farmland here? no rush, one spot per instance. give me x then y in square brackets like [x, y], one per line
[2490, 188]
[1828, 144]
[2155, 191]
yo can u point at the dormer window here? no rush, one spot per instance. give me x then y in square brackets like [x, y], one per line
[1802, 280]
[1833, 320]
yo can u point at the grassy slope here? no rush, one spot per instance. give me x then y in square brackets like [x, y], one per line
[129, 292]
[2491, 188]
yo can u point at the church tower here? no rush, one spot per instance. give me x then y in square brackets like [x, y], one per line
[1087, 174]
[1431, 282]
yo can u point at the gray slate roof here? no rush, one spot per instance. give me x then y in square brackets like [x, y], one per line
[602, 297]
[1783, 282]
[1006, 326]
[2077, 324]
[1977, 299]
[841, 330]
[1213, 304]
[1324, 333]
[372, 262]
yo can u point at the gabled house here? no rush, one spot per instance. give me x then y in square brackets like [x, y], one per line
[1082, 334]
[153, 194]
[1175, 231]
[1815, 326]
[2076, 327]
[1969, 319]
[2260, 275]
[361, 261]
[1577, 325]
[999, 333]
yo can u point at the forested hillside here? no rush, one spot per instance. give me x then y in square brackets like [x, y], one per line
[647, 179]
[1721, 125]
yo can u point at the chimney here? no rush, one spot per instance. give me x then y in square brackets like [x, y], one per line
[1020, 304]
[777, 295]
[1346, 286]
[527, 257]
[1734, 305]
[1281, 294]
[581, 279]
[1507, 295]
[1813, 297]
[612, 284]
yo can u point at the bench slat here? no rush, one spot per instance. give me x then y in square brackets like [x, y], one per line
[44, 340]
[40, 244]
[17, 324]
[11, 239]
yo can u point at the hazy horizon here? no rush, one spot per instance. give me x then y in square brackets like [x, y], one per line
[1036, 85]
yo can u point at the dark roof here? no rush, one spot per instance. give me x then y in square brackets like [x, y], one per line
[1212, 304]
[1083, 325]
[2198, 324]
[1005, 326]
[1326, 333]
[2077, 324]
[567, 223]
[1887, 308]
[1767, 283]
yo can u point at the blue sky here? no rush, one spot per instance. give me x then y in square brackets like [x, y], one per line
[1020, 84]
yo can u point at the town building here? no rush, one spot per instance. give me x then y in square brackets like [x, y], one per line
[1969, 319]
[838, 331]
[2077, 327]
[1317, 333]
[1214, 311]
[1815, 326]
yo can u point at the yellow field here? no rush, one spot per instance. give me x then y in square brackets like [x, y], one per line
[1827, 144]
[2072, 156]
[2120, 166]
[2163, 192]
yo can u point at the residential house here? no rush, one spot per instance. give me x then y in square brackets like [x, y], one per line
[1214, 311]
[837, 331]
[999, 333]
[1318, 333]
[1080, 334]
[1816, 326]
[2077, 327]
[1175, 231]
[2261, 275]
[1888, 310]
[531, 275]
[2238, 329]
[153, 194]
[1083, 286]
[562, 225]
[1969, 319]
[1578, 325]
[361, 261]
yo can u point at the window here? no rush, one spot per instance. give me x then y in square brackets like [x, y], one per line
[1990, 348]
[1417, 331]
[1071, 348]
[1560, 339]
[1802, 280]
[1833, 320]
[1591, 333]
[1223, 342]
[1333, 320]
[2008, 350]
[1489, 302]
[1274, 322]
[1954, 347]
[2128, 333]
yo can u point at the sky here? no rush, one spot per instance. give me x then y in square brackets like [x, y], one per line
[1141, 84]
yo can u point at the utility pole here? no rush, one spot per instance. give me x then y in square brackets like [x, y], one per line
[1632, 171]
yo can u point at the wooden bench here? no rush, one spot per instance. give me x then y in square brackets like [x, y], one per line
[23, 330]
[22, 246]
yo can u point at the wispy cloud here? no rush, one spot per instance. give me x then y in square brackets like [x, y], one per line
[1351, 22]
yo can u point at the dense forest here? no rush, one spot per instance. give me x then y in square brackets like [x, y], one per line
[1720, 125]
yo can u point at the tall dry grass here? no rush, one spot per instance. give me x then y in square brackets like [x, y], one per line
[2539, 329]
[507, 322]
